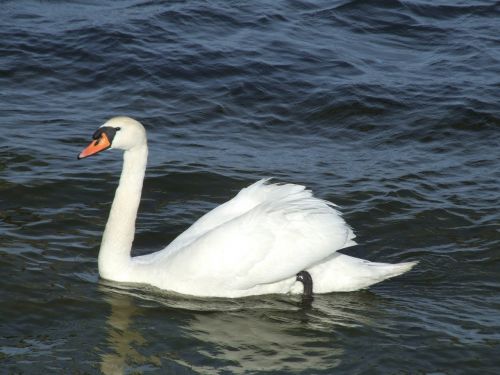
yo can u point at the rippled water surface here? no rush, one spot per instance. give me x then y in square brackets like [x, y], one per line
[389, 109]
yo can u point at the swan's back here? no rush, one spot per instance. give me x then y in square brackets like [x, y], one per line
[271, 197]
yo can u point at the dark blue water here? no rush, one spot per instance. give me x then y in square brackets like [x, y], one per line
[389, 109]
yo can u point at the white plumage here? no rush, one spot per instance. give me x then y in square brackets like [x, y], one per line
[255, 243]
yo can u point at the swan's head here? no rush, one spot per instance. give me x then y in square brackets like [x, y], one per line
[123, 133]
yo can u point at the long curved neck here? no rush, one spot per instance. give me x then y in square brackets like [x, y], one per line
[116, 246]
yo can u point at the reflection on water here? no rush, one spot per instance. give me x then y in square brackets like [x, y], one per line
[252, 334]
[273, 342]
[122, 337]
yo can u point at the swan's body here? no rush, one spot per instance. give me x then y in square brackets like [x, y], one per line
[255, 243]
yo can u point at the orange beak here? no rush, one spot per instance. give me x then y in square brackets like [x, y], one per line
[100, 144]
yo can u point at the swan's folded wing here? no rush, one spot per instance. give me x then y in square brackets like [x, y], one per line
[271, 242]
[247, 199]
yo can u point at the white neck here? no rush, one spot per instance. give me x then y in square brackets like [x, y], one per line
[116, 246]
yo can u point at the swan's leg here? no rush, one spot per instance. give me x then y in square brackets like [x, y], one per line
[305, 278]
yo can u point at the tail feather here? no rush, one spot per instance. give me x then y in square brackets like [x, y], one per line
[343, 273]
[388, 270]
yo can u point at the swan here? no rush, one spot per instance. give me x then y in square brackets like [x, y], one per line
[270, 238]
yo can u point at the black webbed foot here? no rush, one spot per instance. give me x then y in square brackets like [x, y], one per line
[305, 278]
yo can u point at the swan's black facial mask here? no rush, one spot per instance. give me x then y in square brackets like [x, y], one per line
[108, 130]
[103, 138]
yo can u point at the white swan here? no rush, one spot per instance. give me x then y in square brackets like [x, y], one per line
[256, 243]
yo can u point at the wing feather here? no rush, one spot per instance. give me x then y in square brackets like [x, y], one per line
[267, 233]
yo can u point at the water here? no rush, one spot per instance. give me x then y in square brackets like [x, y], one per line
[389, 109]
